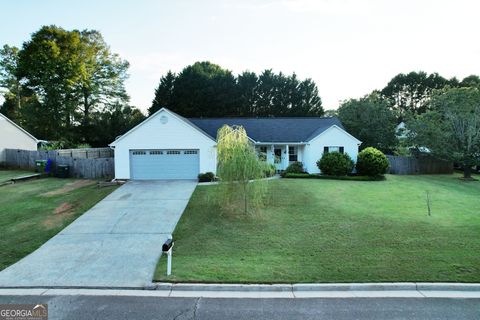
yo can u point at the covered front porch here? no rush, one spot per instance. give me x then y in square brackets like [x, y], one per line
[281, 155]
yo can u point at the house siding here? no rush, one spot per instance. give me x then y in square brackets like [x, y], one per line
[12, 137]
[333, 136]
[301, 153]
[153, 134]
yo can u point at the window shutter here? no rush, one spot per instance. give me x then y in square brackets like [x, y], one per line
[325, 149]
[341, 149]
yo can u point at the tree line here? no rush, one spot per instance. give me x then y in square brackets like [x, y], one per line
[67, 86]
[204, 89]
[442, 117]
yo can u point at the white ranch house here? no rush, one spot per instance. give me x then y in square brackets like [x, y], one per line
[12, 136]
[169, 146]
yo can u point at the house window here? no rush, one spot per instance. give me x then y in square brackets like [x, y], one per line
[190, 152]
[333, 149]
[292, 154]
[173, 152]
[156, 152]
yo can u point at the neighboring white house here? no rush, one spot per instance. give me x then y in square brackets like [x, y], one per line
[401, 131]
[12, 136]
[168, 146]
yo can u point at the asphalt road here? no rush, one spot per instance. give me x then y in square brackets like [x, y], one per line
[118, 307]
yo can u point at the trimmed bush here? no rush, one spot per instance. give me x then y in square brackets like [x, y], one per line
[335, 164]
[206, 177]
[372, 162]
[295, 167]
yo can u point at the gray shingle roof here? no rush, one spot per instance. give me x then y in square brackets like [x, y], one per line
[271, 129]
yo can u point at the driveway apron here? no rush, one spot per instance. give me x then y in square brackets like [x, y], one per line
[116, 243]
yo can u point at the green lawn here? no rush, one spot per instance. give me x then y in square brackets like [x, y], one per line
[335, 231]
[29, 216]
[10, 174]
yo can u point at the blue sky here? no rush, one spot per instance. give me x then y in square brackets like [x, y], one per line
[349, 47]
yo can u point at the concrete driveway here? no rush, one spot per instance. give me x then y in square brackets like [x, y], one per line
[117, 243]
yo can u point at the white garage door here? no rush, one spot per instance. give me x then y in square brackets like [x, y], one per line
[164, 164]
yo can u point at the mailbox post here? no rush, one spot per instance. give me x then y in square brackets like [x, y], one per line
[168, 248]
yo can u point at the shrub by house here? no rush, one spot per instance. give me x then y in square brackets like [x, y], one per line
[335, 164]
[372, 162]
[295, 167]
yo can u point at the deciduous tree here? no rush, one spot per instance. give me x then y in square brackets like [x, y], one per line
[409, 93]
[470, 81]
[370, 120]
[102, 78]
[9, 81]
[451, 128]
[115, 120]
[237, 165]
[58, 79]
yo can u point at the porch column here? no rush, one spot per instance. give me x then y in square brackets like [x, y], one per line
[286, 158]
[270, 154]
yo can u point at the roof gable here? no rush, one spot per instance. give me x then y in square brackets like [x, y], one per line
[25, 132]
[155, 115]
[335, 127]
[272, 129]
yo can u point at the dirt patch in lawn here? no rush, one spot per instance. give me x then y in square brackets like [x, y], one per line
[70, 187]
[64, 210]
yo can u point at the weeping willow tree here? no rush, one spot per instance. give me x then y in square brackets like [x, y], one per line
[237, 166]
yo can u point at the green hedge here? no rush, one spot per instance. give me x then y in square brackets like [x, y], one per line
[298, 175]
[322, 176]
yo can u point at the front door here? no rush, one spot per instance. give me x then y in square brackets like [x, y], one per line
[277, 152]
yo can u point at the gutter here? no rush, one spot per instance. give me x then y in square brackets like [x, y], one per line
[277, 143]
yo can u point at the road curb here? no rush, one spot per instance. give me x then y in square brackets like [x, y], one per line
[295, 287]
[433, 286]
[309, 287]
[353, 286]
[266, 291]
[232, 287]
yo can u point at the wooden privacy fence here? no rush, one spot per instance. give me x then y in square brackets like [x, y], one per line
[421, 165]
[87, 153]
[93, 167]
